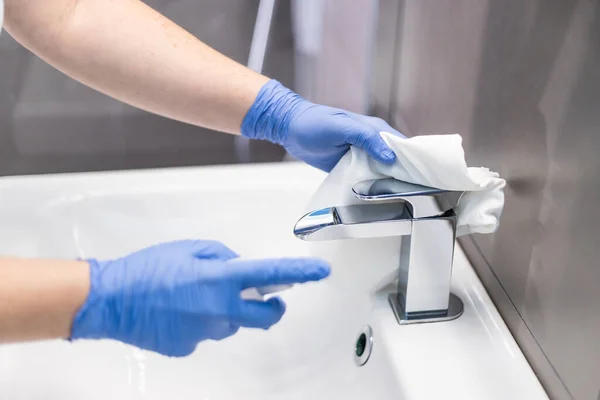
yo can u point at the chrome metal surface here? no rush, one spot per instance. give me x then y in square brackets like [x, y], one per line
[426, 264]
[520, 81]
[417, 197]
[376, 189]
[427, 249]
[455, 310]
[355, 222]
[364, 346]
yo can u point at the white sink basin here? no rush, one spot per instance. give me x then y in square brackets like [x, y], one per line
[308, 355]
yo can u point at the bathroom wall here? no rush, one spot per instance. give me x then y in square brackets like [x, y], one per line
[520, 80]
[50, 123]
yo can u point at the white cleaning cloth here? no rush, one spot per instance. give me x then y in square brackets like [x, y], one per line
[436, 161]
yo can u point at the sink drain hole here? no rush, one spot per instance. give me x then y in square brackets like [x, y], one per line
[363, 346]
[361, 343]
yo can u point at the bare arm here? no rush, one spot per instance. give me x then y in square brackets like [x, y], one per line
[39, 299]
[127, 50]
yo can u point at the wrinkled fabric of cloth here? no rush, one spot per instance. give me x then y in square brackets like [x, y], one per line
[436, 161]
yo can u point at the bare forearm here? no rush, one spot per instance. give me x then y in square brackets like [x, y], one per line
[39, 299]
[129, 51]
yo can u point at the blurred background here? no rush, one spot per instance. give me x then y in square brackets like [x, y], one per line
[50, 123]
[518, 79]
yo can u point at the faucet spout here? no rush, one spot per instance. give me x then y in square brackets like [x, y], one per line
[354, 222]
[425, 216]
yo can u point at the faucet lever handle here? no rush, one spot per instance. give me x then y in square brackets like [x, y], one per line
[419, 198]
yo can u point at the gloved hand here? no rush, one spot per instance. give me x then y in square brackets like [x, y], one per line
[169, 297]
[316, 134]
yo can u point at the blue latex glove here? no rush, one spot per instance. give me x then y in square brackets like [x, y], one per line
[316, 134]
[169, 297]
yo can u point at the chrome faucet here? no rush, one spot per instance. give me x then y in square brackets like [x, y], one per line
[425, 218]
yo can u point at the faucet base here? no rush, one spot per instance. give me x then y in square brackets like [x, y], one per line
[455, 310]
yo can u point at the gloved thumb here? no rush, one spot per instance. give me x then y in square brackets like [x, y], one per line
[260, 314]
[370, 140]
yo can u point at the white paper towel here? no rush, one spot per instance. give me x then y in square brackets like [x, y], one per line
[434, 160]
